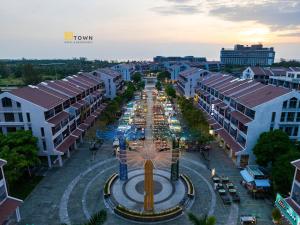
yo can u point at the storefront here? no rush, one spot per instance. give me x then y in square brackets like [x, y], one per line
[287, 209]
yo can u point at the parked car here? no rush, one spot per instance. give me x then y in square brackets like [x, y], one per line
[247, 220]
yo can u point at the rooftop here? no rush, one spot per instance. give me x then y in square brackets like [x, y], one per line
[248, 93]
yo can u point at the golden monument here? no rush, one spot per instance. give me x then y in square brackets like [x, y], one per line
[148, 187]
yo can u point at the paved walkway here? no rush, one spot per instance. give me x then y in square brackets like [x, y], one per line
[73, 193]
[149, 117]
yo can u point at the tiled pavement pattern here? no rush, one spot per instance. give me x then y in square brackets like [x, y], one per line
[42, 207]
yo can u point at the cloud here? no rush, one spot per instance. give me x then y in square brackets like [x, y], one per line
[179, 1]
[277, 14]
[292, 34]
[177, 9]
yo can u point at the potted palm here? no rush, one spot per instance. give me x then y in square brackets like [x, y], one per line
[276, 215]
[203, 220]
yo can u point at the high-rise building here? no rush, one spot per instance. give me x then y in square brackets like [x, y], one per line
[253, 55]
[160, 59]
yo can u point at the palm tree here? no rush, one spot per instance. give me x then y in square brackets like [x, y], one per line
[203, 220]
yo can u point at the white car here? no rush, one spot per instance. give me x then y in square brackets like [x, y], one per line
[247, 220]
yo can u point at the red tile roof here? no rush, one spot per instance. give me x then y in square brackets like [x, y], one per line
[65, 145]
[69, 86]
[89, 120]
[240, 117]
[61, 88]
[58, 118]
[189, 72]
[76, 133]
[236, 147]
[250, 94]
[53, 92]
[261, 71]
[83, 126]
[38, 97]
[76, 105]
[8, 207]
[262, 95]
[109, 72]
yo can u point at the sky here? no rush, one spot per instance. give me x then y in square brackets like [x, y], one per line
[141, 29]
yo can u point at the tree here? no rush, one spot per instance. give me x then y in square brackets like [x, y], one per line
[98, 218]
[21, 152]
[270, 146]
[136, 77]
[162, 76]
[203, 220]
[170, 91]
[276, 215]
[158, 85]
[283, 172]
[3, 70]
[29, 75]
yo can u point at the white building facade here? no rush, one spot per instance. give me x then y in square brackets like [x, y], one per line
[126, 69]
[112, 79]
[238, 111]
[57, 112]
[187, 81]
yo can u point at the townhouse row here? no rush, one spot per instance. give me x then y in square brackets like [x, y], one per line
[277, 76]
[59, 112]
[239, 110]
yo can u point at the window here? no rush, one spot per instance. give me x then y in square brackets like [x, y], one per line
[49, 114]
[296, 193]
[9, 117]
[298, 117]
[273, 116]
[295, 133]
[250, 113]
[288, 130]
[42, 132]
[293, 103]
[271, 128]
[284, 105]
[44, 145]
[18, 104]
[6, 102]
[20, 117]
[28, 117]
[3, 194]
[290, 116]
[282, 117]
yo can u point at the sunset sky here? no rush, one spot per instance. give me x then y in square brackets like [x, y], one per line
[141, 29]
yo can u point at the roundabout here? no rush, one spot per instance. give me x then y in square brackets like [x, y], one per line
[126, 198]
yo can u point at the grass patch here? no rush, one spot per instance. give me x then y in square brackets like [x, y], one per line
[11, 81]
[24, 186]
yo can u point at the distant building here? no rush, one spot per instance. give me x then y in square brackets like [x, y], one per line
[277, 76]
[289, 79]
[9, 206]
[57, 112]
[212, 66]
[175, 68]
[160, 59]
[254, 55]
[187, 81]
[113, 81]
[126, 69]
[290, 206]
[259, 74]
[239, 110]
